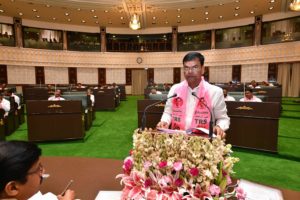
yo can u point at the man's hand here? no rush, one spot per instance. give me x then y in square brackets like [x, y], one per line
[219, 131]
[69, 195]
[162, 124]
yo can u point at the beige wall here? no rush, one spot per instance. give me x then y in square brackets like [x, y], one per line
[220, 74]
[56, 75]
[87, 75]
[21, 74]
[117, 76]
[257, 72]
[163, 75]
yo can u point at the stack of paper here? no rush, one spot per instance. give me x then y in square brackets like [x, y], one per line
[109, 195]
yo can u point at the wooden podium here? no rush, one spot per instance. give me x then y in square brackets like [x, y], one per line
[55, 120]
[153, 114]
[253, 125]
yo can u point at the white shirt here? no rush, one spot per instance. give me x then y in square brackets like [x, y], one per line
[92, 97]
[254, 99]
[219, 110]
[5, 105]
[229, 98]
[53, 98]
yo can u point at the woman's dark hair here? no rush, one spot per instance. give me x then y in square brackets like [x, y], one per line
[192, 56]
[16, 158]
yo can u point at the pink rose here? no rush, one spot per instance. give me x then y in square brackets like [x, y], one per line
[128, 164]
[240, 193]
[177, 166]
[179, 182]
[163, 164]
[194, 171]
[148, 182]
[214, 190]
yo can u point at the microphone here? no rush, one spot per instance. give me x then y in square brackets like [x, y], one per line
[211, 123]
[149, 106]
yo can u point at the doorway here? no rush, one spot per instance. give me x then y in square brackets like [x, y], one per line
[139, 81]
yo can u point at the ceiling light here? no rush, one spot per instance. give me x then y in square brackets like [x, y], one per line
[67, 14]
[252, 12]
[220, 17]
[95, 16]
[54, 18]
[20, 14]
[154, 18]
[96, 22]
[221, 4]
[178, 9]
[237, 1]
[34, 10]
[166, 22]
[164, 10]
[206, 13]
[79, 9]
[92, 10]
[271, 8]
[122, 18]
[206, 18]
[236, 14]
[236, 8]
[83, 21]
[106, 11]
[135, 23]
[178, 21]
[295, 5]
[38, 16]
[48, 6]
[178, 16]
[193, 20]
[2, 11]
[69, 20]
[272, 1]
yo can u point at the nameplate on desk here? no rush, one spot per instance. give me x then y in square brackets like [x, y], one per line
[244, 108]
[101, 91]
[109, 195]
[160, 105]
[54, 106]
[262, 92]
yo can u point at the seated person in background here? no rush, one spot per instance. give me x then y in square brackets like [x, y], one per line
[226, 96]
[265, 83]
[92, 97]
[21, 171]
[253, 84]
[56, 97]
[4, 104]
[10, 93]
[2, 87]
[249, 97]
[79, 85]
[154, 91]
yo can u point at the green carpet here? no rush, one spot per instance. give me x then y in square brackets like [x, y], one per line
[111, 137]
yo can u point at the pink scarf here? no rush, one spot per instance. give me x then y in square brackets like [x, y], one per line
[201, 115]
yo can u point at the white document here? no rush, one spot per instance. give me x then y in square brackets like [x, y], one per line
[40, 196]
[256, 191]
[109, 195]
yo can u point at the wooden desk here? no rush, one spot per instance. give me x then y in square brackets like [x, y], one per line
[153, 114]
[54, 120]
[105, 99]
[91, 175]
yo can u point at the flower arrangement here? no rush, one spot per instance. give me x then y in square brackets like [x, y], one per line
[178, 166]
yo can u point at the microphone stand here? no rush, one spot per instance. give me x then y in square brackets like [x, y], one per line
[149, 106]
[211, 123]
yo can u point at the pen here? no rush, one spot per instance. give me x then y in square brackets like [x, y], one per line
[67, 187]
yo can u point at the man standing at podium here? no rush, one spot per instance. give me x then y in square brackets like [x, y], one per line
[189, 108]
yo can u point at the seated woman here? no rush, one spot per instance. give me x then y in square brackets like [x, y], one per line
[21, 171]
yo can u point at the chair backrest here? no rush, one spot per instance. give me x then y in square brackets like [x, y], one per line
[82, 98]
[158, 96]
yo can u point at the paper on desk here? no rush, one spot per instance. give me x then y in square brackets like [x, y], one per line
[256, 191]
[109, 195]
[40, 196]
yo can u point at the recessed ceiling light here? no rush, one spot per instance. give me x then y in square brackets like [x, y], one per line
[96, 22]
[206, 13]
[38, 16]
[20, 14]
[83, 21]
[236, 14]
[92, 10]
[95, 16]
[166, 22]
[252, 12]
[178, 16]
[122, 18]
[79, 9]
[154, 18]
[54, 18]
[193, 20]
[236, 8]
[178, 21]
[220, 17]
[34, 10]
[67, 14]
[237, 1]
[164, 10]
[2, 11]
[271, 8]
[206, 18]
[272, 1]
[221, 4]
[69, 20]
[178, 9]
[48, 6]
[106, 11]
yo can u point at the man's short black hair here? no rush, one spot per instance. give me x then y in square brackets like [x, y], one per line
[249, 90]
[192, 56]
[16, 158]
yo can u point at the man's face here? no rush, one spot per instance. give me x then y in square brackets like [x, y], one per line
[225, 93]
[248, 95]
[57, 93]
[193, 71]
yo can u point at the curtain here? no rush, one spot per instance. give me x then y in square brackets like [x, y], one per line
[294, 90]
[139, 81]
[283, 78]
